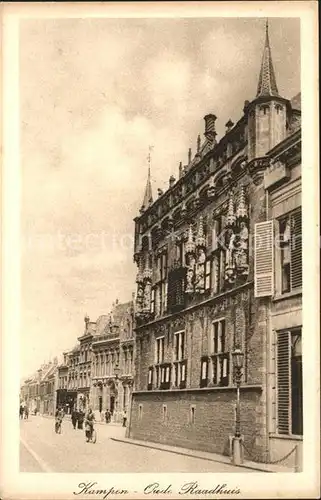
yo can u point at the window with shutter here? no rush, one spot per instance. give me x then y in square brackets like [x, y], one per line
[289, 382]
[290, 236]
[296, 249]
[263, 259]
[283, 371]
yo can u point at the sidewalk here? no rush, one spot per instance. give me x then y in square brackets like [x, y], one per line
[213, 457]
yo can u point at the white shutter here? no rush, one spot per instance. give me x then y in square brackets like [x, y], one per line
[263, 259]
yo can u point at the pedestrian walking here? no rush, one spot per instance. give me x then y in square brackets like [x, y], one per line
[21, 411]
[107, 416]
[74, 417]
[26, 412]
[80, 420]
[124, 418]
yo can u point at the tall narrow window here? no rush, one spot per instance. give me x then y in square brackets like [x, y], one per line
[164, 413]
[290, 229]
[289, 382]
[220, 357]
[208, 273]
[204, 371]
[192, 416]
[285, 249]
[180, 363]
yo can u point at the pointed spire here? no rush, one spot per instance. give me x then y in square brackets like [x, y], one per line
[230, 212]
[267, 82]
[148, 196]
[190, 245]
[200, 240]
[241, 212]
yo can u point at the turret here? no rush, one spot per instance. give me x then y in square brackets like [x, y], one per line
[267, 113]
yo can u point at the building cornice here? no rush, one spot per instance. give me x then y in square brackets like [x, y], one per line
[291, 145]
[231, 388]
[213, 153]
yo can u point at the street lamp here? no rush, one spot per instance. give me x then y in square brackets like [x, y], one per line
[238, 359]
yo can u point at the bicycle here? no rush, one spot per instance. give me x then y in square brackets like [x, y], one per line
[91, 435]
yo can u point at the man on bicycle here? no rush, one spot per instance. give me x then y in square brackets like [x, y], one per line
[89, 423]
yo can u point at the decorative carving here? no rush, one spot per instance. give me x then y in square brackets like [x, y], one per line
[211, 189]
[178, 323]
[257, 167]
[190, 249]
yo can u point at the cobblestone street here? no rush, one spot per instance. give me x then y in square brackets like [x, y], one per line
[42, 450]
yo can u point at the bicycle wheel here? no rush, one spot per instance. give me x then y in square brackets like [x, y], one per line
[94, 436]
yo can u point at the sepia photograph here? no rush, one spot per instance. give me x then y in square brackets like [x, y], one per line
[161, 268]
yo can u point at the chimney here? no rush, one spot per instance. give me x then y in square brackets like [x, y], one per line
[171, 181]
[189, 156]
[198, 143]
[210, 133]
[116, 302]
[180, 170]
[246, 104]
[160, 192]
[229, 125]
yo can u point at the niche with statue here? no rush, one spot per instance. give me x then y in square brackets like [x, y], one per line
[236, 238]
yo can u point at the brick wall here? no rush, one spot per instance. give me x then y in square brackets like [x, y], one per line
[214, 418]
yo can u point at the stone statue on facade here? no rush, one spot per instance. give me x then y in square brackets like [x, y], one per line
[190, 260]
[241, 256]
[230, 257]
[200, 271]
[147, 297]
[190, 275]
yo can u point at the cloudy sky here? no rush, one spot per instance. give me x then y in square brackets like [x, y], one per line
[95, 93]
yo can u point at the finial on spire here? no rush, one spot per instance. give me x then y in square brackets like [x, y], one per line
[148, 196]
[267, 82]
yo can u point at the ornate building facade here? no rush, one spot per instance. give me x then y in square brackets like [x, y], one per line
[39, 391]
[211, 278]
[113, 361]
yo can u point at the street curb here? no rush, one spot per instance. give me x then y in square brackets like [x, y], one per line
[194, 455]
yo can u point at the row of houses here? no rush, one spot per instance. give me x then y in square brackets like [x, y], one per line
[97, 372]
